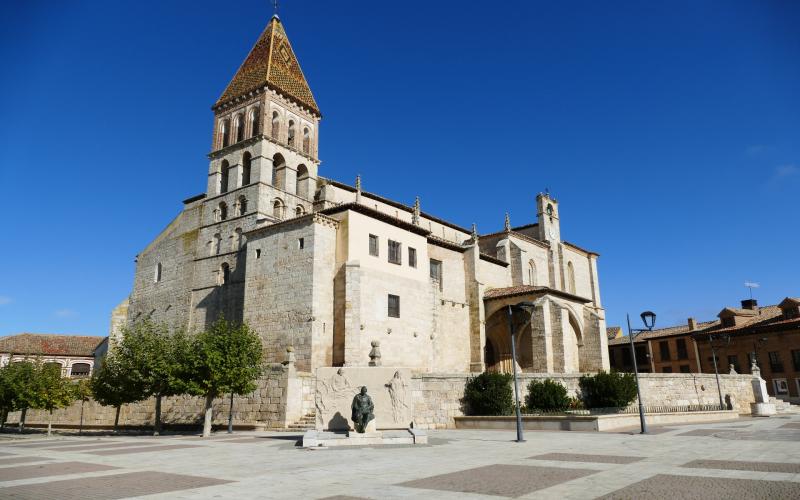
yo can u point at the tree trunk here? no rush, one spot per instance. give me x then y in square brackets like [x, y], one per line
[80, 427]
[21, 426]
[157, 430]
[209, 412]
[116, 419]
[50, 424]
[5, 417]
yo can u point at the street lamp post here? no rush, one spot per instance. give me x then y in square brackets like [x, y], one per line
[649, 320]
[230, 417]
[726, 339]
[521, 306]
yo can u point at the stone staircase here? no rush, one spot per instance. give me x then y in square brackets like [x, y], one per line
[306, 422]
[783, 407]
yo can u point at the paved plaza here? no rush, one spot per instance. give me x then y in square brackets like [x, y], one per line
[749, 458]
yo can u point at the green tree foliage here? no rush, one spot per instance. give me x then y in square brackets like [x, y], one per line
[154, 362]
[51, 390]
[20, 378]
[226, 358]
[546, 395]
[608, 390]
[489, 394]
[6, 395]
[111, 386]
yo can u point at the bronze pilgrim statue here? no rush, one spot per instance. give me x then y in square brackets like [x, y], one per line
[362, 410]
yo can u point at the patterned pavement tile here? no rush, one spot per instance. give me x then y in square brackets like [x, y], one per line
[3, 454]
[791, 468]
[51, 469]
[110, 487]
[701, 432]
[89, 447]
[791, 425]
[55, 442]
[501, 480]
[21, 460]
[706, 488]
[144, 449]
[577, 457]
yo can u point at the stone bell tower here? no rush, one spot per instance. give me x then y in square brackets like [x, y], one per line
[547, 215]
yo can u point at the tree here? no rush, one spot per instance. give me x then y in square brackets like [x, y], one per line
[83, 391]
[20, 380]
[153, 361]
[226, 358]
[608, 390]
[489, 394]
[6, 395]
[547, 395]
[111, 386]
[51, 390]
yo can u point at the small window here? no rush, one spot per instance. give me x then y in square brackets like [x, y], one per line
[395, 249]
[80, 370]
[225, 274]
[247, 168]
[239, 128]
[290, 140]
[277, 209]
[255, 120]
[157, 276]
[276, 125]
[301, 243]
[796, 360]
[436, 270]
[394, 306]
[664, 348]
[775, 363]
[223, 177]
[299, 211]
[258, 253]
[412, 257]
[682, 352]
[223, 211]
[666, 369]
[373, 245]
[684, 369]
[242, 205]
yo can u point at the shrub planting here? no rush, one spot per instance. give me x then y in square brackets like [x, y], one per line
[608, 390]
[546, 395]
[489, 394]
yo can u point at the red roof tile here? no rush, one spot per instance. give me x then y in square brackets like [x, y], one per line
[41, 344]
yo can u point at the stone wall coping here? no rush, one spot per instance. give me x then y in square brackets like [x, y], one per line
[584, 418]
[680, 376]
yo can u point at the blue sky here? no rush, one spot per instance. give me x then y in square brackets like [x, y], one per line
[668, 131]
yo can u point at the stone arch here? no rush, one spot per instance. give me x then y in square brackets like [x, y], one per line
[224, 273]
[278, 208]
[241, 205]
[224, 133]
[279, 171]
[306, 140]
[497, 350]
[276, 125]
[299, 211]
[290, 134]
[302, 181]
[247, 168]
[238, 127]
[255, 121]
[222, 211]
[531, 273]
[223, 176]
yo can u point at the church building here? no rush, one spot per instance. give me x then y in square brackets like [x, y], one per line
[332, 270]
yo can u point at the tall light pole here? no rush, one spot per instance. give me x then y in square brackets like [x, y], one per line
[522, 306]
[726, 339]
[649, 320]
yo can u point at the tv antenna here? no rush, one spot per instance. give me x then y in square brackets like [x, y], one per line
[750, 285]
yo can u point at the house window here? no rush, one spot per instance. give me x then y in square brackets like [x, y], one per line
[394, 306]
[734, 360]
[682, 352]
[796, 360]
[626, 357]
[412, 257]
[436, 270]
[80, 370]
[373, 245]
[685, 369]
[666, 369]
[395, 255]
[775, 362]
[781, 387]
[664, 348]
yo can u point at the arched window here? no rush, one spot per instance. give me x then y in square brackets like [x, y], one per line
[224, 274]
[216, 244]
[242, 205]
[223, 211]
[54, 365]
[238, 240]
[238, 124]
[531, 273]
[299, 211]
[277, 209]
[306, 140]
[80, 370]
[247, 162]
[157, 273]
[255, 121]
[301, 189]
[276, 125]
[278, 171]
[570, 277]
[225, 133]
[223, 177]
[290, 139]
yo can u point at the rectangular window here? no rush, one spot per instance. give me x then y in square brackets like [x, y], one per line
[775, 362]
[666, 369]
[641, 355]
[395, 252]
[373, 245]
[301, 243]
[664, 348]
[682, 352]
[394, 306]
[626, 357]
[684, 368]
[436, 270]
[796, 360]
[412, 257]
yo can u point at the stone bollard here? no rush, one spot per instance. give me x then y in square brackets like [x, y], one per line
[375, 353]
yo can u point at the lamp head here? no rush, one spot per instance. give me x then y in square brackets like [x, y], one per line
[649, 319]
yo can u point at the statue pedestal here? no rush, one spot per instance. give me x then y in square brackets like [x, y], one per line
[325, 439]
[762, 409]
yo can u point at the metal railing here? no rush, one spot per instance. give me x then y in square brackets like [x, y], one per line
[629, 410]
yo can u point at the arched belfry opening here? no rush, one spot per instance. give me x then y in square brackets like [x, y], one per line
[279, 171]
[497, 350]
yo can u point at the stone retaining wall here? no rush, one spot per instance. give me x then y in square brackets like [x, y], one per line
[437, 397]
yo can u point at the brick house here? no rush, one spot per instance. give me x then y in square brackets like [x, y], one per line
[75, 354]
[770, 335]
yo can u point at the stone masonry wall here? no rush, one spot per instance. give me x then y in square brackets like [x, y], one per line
[437, 397]
[265, 406]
